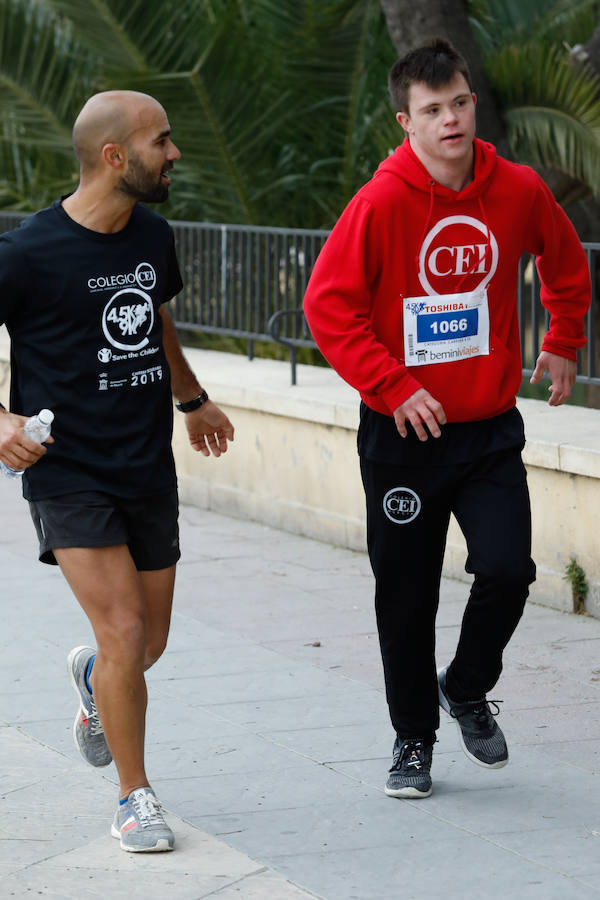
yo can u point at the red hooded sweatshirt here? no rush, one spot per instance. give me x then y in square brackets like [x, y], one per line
[404, 235]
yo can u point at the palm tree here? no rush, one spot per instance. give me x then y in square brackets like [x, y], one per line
[551, 101]
[280, 109]
[43, 73]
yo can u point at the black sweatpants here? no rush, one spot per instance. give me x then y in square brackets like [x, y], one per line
[408, 512]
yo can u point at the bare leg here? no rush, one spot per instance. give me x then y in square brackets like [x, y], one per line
[130, 613]
[157, 588]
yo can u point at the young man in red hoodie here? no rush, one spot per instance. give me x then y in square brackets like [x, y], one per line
[413, 302]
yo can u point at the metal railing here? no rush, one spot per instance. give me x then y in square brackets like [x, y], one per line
[534, 319]
[248, 282]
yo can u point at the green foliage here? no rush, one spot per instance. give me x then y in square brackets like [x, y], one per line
[43, 74]
[280, 110]
[551, 102]
[553, 111]
[576, 577]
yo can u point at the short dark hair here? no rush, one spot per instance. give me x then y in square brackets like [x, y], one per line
[434, 64]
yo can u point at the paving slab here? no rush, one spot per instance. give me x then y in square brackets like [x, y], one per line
[269, 742]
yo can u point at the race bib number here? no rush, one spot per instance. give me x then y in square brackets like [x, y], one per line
[446, 327]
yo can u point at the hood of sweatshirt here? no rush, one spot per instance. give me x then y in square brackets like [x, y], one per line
[405, 164]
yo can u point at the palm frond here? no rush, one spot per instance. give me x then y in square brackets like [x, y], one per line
[32, 179]
[44, 76]
[130, 34]
[552, 110]
[497, 23]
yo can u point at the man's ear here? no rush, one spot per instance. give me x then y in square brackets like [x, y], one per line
[114, 155]
[403, 119]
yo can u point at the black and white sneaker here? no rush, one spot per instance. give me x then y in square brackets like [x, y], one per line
[410, 773]
[480, 735]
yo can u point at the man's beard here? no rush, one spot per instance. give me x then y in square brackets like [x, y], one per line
[141, 184]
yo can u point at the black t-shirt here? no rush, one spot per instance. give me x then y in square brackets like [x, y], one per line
[460, 442]
[81, 308]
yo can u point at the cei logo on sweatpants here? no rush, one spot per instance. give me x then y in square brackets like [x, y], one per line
[401, 505]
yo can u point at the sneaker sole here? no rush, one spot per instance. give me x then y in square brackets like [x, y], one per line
[161, 846]
[81, 709]
[468, 754]
[408, 793]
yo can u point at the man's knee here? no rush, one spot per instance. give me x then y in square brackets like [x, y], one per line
[502, 571]
[155, 648]
[122, 634]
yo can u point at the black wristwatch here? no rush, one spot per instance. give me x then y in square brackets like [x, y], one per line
[191, 405]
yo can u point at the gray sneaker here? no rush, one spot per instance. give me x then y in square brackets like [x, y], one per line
[140, 824]
[87, 729]
[480, 735]
[410, 773]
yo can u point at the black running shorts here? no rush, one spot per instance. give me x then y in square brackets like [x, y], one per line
[148, 526]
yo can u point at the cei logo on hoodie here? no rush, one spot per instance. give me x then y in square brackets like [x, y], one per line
[457, 247]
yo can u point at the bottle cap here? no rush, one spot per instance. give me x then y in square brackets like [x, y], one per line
[46, 416]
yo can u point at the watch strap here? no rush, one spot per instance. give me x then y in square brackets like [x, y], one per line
[191, 405]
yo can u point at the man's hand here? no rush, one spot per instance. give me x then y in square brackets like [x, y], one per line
[209, 429]
[562, 371]
[420, 409]
[16, 450]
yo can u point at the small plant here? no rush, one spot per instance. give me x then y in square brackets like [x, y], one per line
[575, 575]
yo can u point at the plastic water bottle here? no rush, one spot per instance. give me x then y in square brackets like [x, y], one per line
[36, 428]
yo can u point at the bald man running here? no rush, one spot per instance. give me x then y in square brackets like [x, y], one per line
[82, 288]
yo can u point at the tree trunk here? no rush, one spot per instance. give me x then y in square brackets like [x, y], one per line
[590, 51]
[411, 24]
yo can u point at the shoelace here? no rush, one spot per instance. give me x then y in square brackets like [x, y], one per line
[412, 750]
[480, 709]
[94, 720]
[148, 810]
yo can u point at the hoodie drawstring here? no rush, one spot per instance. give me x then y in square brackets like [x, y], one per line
[488, 246]
[428, 220]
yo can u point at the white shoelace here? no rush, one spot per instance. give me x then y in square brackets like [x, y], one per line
[147, 808]
[94, 720]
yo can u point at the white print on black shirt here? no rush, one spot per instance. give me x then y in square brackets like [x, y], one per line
[144, 276]
[127, 317]
[127, 321]
[141, 377]
[105, 354]
[456, 246]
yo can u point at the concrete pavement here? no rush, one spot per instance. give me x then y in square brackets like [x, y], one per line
[269, 742]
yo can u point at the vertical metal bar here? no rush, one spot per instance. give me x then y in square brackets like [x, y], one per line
[249, 298]
[257, 324]
[198, 303]
[296, 290]
[286, 271]
[215, 275]
[276, 275]
[223, 272]
[267, 286]
[535, 319]
[189, 299]
[241, 278]
[293, 364]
